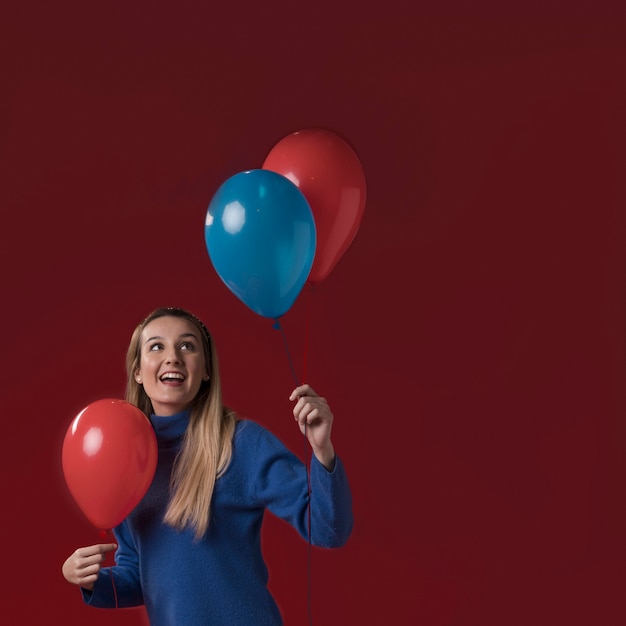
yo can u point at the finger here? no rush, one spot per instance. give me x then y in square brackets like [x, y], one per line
[311, 417]
[99, 548]
[302, 390]
[302, 408]
[89, 571]
[86, 580]
[80, 575]
[105, 547]
[94, 559]
[318, 405]
[309, 400]
[85, 557]
[86, 569]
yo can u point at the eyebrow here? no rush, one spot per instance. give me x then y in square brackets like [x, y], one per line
[180, 337]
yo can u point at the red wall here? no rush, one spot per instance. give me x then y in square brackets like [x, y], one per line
[471, 341]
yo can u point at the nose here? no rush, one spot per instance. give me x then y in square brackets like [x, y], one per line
[173, 356]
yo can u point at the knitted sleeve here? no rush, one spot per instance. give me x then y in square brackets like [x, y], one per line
[118, 586]
[282, 485]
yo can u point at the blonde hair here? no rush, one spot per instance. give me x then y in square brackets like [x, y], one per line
[207, 444]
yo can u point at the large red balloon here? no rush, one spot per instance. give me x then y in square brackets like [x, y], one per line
[109, 459]
[330, 176]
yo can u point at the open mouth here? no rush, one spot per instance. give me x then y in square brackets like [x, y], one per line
[172, 377]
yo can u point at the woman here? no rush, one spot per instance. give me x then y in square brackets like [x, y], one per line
[191, 549]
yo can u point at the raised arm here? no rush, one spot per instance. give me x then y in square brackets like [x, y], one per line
[315, 420]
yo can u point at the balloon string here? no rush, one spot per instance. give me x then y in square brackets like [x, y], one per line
[307, 318]
[278, 326]
[308, 513]
[114, 588]
[106, 535]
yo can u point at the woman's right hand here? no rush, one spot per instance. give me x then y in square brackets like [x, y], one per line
[82, 567]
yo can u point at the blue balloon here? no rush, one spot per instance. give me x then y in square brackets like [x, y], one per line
[260, 236]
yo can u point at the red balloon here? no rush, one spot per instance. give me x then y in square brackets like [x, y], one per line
[109, 459]
[329, 174]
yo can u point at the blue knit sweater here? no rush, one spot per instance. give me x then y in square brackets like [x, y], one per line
[222, 578]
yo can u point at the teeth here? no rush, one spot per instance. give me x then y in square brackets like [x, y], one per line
[172, 376]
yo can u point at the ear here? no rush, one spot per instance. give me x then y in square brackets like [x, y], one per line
[138, 377]
[206, 376]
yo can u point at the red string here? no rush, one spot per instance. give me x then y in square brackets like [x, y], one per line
[308, 452]
[114, 589]
[308, 511]
[108, 537]
[307, 317]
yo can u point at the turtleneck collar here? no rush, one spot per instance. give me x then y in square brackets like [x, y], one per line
[171, 427]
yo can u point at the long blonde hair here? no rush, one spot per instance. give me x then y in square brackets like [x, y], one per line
[207, 444]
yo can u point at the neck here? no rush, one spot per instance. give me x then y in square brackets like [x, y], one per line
[170, 427]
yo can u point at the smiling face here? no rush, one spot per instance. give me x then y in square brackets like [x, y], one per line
[172, 365]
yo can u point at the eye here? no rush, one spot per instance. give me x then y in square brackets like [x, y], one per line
[155, 346]
[187, 345]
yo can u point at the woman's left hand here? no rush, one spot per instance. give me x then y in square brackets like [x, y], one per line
[315, 420]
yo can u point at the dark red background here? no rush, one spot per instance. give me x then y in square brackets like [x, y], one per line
[471, 341]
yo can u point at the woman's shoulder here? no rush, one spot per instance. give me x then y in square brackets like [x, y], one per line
[249, 428]
[251, 433]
